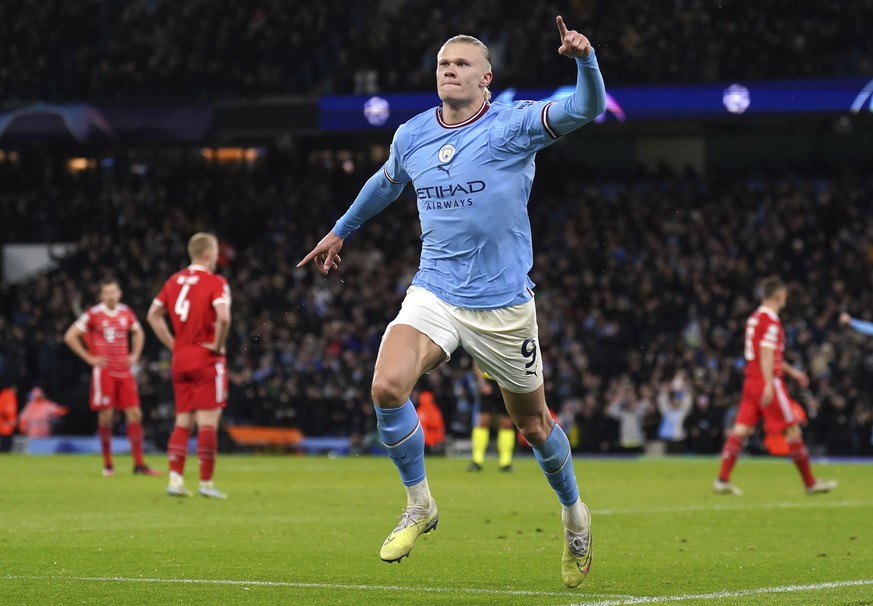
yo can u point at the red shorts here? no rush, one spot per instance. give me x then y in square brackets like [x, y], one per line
[113, 392]
[202, 389]
[778, 416]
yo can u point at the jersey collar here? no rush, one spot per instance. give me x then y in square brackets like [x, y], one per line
[773, 315]
[196, 267]
[479, 113]
[110, 312]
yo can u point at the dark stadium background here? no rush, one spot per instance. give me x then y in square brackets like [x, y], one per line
[126, 126]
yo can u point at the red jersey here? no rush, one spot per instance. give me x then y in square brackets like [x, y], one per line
[107, 331]
[190, 297]
[763, 329]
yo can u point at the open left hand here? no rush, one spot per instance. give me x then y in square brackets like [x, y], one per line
[573, 44]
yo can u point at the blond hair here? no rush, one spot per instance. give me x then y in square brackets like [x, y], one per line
[200, 243]
[473, 41]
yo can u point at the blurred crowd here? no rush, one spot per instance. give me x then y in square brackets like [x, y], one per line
[642, 290]
[157, 49]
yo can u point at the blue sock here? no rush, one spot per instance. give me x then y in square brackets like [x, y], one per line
[556, 462]
[402, 435]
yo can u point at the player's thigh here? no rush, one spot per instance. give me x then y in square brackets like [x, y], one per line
[183, 387]
[209, 387]
[102, 391]
[779, 415]
[126, 394]
[419, 339]
[749, 412]
[505, 343]
[208, 417]
[404, 355]
[204, 388]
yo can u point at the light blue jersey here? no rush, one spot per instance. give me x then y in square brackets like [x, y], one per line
[472, 182]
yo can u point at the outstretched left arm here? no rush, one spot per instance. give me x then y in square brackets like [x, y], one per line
[589, 99]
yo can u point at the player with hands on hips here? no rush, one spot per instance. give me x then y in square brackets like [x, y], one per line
[115, 341]
[197, 301]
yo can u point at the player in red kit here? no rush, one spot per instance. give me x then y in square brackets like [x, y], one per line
[764, 393]
[111, 353]
[198, 303]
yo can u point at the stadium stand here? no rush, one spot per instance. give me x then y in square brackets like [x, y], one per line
[637, 282]
[148, 49]
[643, 282]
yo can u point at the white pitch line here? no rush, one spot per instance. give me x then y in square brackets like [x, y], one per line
[818, 504]
[396, 588]
[716, 595]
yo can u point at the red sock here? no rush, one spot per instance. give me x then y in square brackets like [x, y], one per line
[729, 455]
[105, 433]
[177, 448]
[207, 447]
[134, 434]
[798, 453]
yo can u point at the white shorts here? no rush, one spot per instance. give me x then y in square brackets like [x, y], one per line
[504, 341]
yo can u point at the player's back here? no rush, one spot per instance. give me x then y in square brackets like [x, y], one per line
[763, 330]
[190, 297]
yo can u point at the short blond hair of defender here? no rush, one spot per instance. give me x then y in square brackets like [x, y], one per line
[200, 243]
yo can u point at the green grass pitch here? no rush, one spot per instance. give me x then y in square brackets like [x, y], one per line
[307, 530]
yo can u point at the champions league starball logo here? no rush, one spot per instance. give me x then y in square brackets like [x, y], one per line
[736, 98]
[377, 111]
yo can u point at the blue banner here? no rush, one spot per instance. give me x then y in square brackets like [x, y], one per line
[81, 123]
[629, 104]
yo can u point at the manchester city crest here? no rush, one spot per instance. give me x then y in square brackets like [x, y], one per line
[447, 152]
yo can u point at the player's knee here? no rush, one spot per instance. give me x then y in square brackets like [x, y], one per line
[741, 431]
[535, 429]
[388, 393]
[792, 432]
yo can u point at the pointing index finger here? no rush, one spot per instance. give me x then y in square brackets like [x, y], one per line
[562, 29]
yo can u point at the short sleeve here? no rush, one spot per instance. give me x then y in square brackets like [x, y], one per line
[770, 335]
[221, 294]
[83, 321]
[132, 320]
[161, 299]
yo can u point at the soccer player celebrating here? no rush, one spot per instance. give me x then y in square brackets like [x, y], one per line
[491, 404]
[764, 394]
[472, 164]
[111, 353]
[198, 303]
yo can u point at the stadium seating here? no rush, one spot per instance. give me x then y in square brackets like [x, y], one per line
[664, 288]
[156, 50]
